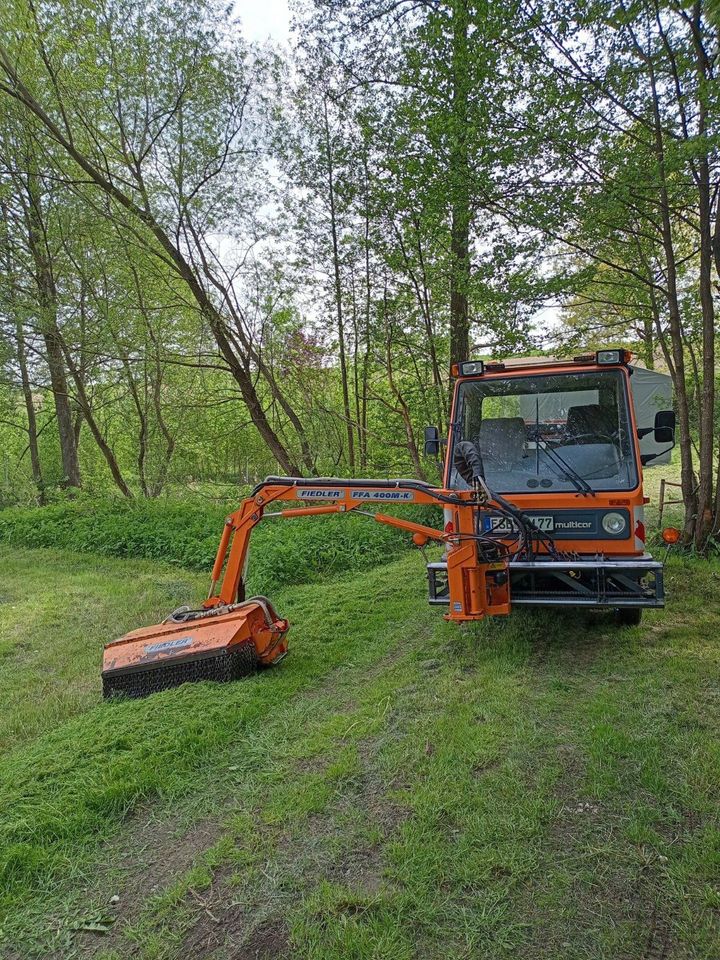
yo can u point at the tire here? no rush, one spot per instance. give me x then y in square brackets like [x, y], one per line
[628, 616]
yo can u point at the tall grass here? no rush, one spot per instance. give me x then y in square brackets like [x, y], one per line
[300, 550]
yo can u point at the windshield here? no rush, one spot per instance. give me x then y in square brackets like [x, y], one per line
[549, 433]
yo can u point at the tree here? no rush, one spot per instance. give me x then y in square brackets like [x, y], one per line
[168, 155]
[629, 181]
[31, 248]
[438, 76]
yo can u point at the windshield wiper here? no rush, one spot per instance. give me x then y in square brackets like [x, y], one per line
[579, 482]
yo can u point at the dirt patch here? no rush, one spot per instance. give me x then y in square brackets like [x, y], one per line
[658, 943]
[149, 854]
[232, 930]
[332, 846]
[313, 765]
[267, 942]
[361, 870]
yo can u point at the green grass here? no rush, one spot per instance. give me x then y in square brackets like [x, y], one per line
[539, 787]
[55, 612]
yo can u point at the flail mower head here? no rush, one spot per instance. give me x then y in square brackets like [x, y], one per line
[222, 643]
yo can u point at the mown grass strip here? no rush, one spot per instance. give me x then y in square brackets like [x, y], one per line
[56, 611]
[68, 789]
[556, 801]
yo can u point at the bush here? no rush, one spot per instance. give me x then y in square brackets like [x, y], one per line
[281, 552]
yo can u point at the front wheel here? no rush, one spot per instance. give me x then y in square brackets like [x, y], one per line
[628, 616]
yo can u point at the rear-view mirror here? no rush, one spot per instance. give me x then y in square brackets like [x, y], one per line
[432, 441]
[664, 426]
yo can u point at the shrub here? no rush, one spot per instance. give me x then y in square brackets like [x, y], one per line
[281, 552]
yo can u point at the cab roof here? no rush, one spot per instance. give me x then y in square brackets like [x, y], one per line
[601, 358]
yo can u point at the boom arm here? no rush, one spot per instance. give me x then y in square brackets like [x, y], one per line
[478, 583]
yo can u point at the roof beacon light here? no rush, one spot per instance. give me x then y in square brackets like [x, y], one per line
[472, 368]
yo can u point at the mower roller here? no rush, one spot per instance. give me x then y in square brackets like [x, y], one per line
[565, 530]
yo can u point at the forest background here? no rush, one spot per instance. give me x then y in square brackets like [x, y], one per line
[221, 259]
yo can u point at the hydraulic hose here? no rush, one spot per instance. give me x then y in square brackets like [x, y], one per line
[418, 485]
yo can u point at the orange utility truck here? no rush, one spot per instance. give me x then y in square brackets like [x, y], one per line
[543, 506]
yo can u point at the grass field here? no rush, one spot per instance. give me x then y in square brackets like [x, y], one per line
[542, 787]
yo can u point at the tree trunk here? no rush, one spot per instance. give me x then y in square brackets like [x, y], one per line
[59, 387]
[401, 407]
[21, 350]
[143, 432]
[161, 478]
[648, 343]
[440, 397]
[47, 308]
[716, 235]
[705, 505]
[30, 412]
[404, 411]
[154, 487]
[687, 477]
[338, 297]
[363, 393]
[287, 408]
[459, 182]
[86, 407]
[420, 286]
[356, 378]
[243, 378]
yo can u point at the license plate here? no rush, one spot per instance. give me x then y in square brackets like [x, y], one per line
[506, 525]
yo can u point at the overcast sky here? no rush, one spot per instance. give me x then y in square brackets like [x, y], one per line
[263, 18]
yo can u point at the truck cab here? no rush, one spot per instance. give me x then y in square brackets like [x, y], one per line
[559, 440]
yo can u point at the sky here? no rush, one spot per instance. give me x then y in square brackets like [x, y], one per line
[263, 19]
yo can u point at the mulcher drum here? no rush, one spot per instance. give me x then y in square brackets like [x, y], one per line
[229, 665]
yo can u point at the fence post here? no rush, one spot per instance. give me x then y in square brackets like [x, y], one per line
[662, 500]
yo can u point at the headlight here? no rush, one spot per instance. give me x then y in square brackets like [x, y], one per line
[613, 356]
[471, 368]
[614, 523]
